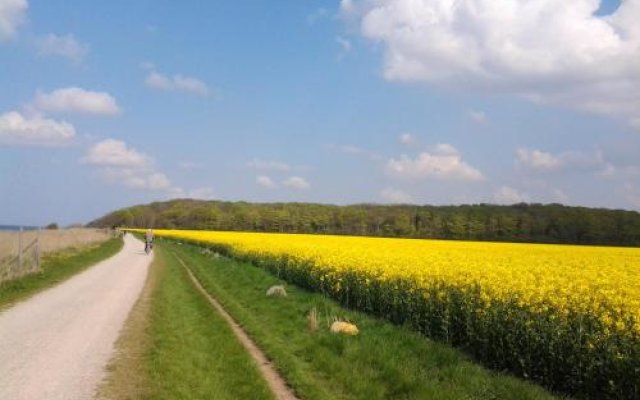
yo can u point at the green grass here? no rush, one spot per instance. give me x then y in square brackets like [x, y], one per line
[383, 362]
[57, 267]
[193, 354]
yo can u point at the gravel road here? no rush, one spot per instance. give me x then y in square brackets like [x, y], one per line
[56, 344]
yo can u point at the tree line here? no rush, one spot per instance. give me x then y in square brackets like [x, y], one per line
[536, 223]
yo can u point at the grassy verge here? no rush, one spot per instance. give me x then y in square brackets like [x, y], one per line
[175, 346]
[127, 377]
[383, 362]
[57, 267]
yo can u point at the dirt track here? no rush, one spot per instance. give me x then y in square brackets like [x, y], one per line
[56, 344]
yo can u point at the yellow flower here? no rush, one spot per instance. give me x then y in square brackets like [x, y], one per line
[559, 279]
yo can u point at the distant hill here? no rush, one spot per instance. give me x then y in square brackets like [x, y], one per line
[537, 223]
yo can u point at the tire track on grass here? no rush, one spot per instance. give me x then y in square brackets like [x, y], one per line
[274, 380]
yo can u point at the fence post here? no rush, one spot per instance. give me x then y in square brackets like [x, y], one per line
[19, 250]
[38, 249]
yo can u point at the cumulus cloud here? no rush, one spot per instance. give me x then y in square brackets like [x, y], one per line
[444, 162]
[478, 117]
[619, 171]
[265, 181]
[12, 14]
[176, 83]
[17, 129]
[408, 139]
[65, 46]
[262, 165]
[126, 166]
[540, 161]
[116, 153]
[509, 195]
[77, 100]
[137, 179]
[396, 196]
[120, 164]
[296, 182]
[549, 51]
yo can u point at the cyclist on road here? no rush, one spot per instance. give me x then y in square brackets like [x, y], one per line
[148, 241]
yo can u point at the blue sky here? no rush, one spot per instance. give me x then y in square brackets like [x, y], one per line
[109, 104]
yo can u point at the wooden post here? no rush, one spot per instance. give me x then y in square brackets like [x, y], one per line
[38, 249]
[19, 250]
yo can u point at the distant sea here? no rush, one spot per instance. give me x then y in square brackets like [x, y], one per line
[16, 228]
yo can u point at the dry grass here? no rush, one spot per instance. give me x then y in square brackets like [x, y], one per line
[51, 240]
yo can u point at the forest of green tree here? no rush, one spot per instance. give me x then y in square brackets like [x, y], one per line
[536, 223]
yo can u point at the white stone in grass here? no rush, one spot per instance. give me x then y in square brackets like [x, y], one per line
[277, 291]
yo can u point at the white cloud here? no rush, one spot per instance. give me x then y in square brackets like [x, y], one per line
[262, 165]
[265, 181]
[296, 182]
[549, 51]
[541, 161]
[478, 117]
[120, 164]
[444, 163]
[77, 100]
[446, 149]
[396, 196]
[124, 176]
[138, 179]
[509, 195]
[17, 129]
[158, 181]
[345, 45]
[180, 83]
[62, 46]
[12, 14]
[116, 153]
[538, 160]
[620, 172]
[407, 139]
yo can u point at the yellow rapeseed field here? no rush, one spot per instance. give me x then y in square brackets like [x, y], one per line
[600, 280]
[566, 316]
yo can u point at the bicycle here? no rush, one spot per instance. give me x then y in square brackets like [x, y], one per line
[148, 246]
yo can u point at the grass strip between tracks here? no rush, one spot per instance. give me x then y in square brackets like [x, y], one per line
[176, 346]
[56, 268]
[383, 362]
